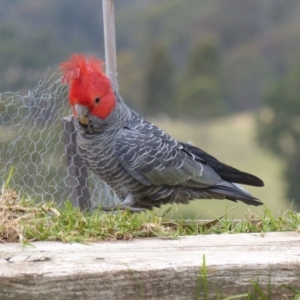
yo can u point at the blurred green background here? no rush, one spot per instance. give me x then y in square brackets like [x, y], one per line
[224, 74]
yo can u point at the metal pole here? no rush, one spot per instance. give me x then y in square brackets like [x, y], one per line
[110, 41]
[77, 170]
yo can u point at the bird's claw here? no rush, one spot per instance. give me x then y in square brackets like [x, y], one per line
[122, 207]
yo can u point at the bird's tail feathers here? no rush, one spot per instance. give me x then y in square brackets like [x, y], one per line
[234, 192]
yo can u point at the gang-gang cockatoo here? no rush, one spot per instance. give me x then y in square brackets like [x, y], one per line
[144, 165]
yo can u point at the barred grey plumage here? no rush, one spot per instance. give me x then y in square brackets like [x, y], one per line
[139, 160]
[144, 165]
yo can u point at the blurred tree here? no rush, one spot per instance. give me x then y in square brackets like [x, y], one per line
[23, 61]
[160, 84]
[131, 88]
[204, 59]
[258, 39]
[244, 75]
[279, 127]
[201, 91]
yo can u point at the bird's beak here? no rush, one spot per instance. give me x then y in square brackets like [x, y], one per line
[81, 114]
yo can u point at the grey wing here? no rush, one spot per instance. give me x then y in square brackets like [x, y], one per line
[154, 158]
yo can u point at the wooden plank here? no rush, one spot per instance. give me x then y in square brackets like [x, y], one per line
[77, 171]
[150, 268]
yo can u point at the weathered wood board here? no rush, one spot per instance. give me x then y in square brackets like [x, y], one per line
[150, 268]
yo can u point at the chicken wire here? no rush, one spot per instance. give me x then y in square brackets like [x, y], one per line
[32, 142]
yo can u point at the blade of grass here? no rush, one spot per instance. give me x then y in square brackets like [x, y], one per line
[204, 274]
[237, 297]
[6, 185]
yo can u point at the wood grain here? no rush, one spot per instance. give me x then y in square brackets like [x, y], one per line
[151, 268]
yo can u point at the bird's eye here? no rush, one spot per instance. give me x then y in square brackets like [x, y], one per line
[97, 100]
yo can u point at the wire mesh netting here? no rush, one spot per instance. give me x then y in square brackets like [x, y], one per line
[32, 142]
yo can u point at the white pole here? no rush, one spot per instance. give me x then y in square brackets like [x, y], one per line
[110, 41]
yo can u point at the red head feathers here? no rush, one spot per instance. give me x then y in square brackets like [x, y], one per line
[89, 86]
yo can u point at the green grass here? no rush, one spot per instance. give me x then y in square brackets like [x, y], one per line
[25, 220]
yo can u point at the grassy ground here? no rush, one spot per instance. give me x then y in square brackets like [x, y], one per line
[24, 220]
[232, 141]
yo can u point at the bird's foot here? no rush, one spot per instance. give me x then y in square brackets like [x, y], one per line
[122, 207]
[127, 204]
